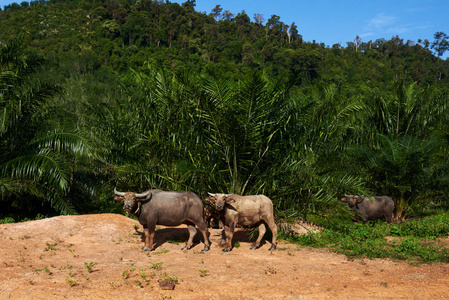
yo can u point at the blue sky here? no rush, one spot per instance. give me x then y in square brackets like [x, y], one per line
[340, 21]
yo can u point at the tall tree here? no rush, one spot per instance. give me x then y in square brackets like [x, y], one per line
[293, 33]
[441, 43]
[216, 12]
[259, 19]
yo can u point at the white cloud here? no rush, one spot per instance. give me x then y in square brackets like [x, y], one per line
[366, 34]
[380, 21]
[400, 29]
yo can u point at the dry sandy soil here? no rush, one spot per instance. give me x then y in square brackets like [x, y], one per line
[51, 259]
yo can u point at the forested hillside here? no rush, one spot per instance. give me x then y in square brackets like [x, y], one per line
[152, 94]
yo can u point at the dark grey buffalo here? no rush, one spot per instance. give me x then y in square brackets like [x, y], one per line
[245, 211]
[157, 207]
[378, 207]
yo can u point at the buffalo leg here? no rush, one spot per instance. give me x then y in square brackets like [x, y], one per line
[229, 233]
[192, 232]
[149, 236]
[203, 229]
[274, 232]
[262, 230]
[222, 241]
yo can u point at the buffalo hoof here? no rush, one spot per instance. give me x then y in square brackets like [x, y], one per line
[272, 248]
[184, 249]
[146, 249]
[253, 248]
[225, 250]
[205, 249]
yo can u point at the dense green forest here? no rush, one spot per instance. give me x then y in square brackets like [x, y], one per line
[151, 94]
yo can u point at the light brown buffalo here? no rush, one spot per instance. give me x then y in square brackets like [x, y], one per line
[245, 211]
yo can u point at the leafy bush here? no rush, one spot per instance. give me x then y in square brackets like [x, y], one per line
[429, 227]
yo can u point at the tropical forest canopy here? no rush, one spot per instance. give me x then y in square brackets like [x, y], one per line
[152, 94]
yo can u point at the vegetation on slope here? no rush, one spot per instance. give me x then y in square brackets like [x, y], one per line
[145, 94]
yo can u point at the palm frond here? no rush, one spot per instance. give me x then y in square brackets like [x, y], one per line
[73, 143]
[10, 186]
[44, 167]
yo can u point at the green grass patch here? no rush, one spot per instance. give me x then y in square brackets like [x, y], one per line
[416, 241]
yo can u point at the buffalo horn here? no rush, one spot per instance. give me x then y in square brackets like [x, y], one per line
[118, 193]
[144, 194]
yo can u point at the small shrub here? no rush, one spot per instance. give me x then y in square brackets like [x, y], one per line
[138, 283]
[156, 266]
[47, 270]
[70, 281]
[40, 217]
[7, 220]
[89, 266]
[165, 276]
[50, 246]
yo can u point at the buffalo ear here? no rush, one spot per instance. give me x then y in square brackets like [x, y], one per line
[359, 199]
[210, 200]
[118, 198]
[229, 200]
[344, 199]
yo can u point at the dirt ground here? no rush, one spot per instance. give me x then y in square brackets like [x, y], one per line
[100, 257]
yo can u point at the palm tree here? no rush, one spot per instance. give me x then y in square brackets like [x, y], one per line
[317, 134]
[243, 123]
[38, 158]
[400, 146]
[207, 131]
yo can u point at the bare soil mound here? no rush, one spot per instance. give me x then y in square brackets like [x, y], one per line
[100, 257]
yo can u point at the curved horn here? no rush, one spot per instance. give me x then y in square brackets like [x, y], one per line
[210, 194]
[144, 194]
[118, 193]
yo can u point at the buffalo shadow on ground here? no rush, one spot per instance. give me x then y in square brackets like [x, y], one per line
[180, 235]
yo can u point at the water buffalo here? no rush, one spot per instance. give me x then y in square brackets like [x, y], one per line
[246, 211]
[371, 209]
[157, 207]
[211, 215]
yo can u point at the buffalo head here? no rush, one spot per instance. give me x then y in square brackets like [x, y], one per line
[220, 200]
[352, 200]
[130, 199]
